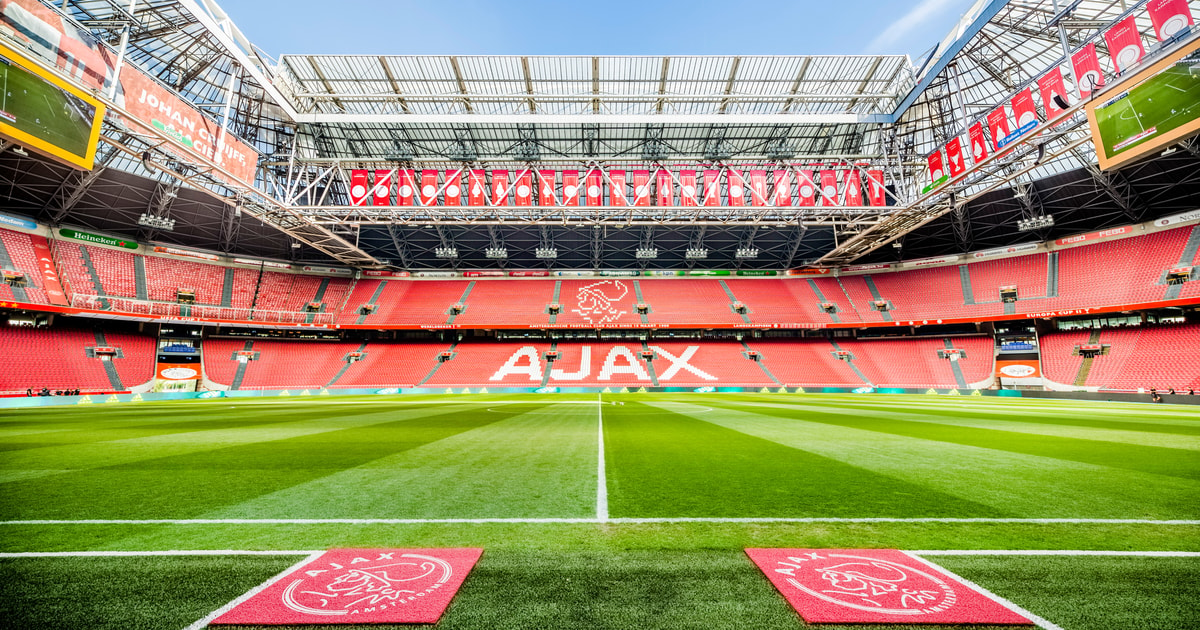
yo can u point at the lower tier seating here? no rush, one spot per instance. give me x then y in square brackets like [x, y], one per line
[1162, 357]
[57, 358]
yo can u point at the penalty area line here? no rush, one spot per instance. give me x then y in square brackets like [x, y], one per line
[204, 621]
[619, 521]
[1037, 620]
[601, 474]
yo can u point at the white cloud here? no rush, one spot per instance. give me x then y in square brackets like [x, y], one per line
[925, 11]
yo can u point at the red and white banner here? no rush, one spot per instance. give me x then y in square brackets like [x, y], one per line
[406, 188]
[1023, 108]
[666, 188]
[570, 189]
[1088, 75]
[641, 188]
[998, 125]
[712, 188]
[1050, 85]
[499, 188]
[1124, 44]
[876, 193]
[595, 188]
[737, 187]
[687, 189]
[359, 187]
[382, 191]
[453, 194]
[158, 249]
[954, 157]
[476, 188]
[429, 187]
[178, 371]
[1169, 17]
[546, 184]
[936, 170]
[45, 262]
[829, 188]
[864, 586]
[808, 187]
[616, 189]
[360, 586]
[783, 188]
[523, 188]
[1095, 236]
[758, 188]
[978, 142]
[853, 184]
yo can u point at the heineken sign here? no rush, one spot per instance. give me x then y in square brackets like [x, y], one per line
[97, 239]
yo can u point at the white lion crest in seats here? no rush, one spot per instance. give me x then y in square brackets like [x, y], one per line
[598, 302]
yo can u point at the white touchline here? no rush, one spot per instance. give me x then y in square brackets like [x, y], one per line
[600, 493]
[1040, 622]
[309, 552]
[172, 552]
[1054, 552]
[203, 622]
[601, 476]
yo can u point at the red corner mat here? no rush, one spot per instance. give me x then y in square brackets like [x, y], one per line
[874, 586]
[352, 586]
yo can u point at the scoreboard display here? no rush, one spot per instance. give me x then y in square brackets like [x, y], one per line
[46, 114]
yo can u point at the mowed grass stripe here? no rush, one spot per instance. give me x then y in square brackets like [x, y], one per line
[1155, 460]
[93, 435]
[666, 464]
[1025, 485]
[1099, 411]
[539, 463]
[188, 485]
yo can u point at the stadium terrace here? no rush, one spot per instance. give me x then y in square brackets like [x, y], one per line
[509, 342]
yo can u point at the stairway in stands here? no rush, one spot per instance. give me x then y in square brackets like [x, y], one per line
[114, 379]
[1085, 366]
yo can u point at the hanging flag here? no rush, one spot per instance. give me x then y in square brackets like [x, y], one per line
[499, 188]
[571, 188]
[808, 188]
[617, 196]
[383, 188]
[429, 187]
[666, 188]
[829, 188]
[998, 125]
[979, 150]
[641, 188]
[523, 188]
[595, 187]
[954, 157]
[712, 188]
[876, 192]
[853, 183]
[737, 187]
[358, 187]
[406, 187]
[1169, 17]
[758, 188]
[476, 188]
[1124, 44]
[1050, 85]
[1086, 64]
[1024, 109]
[783, 188]
[546, 185]
[453, 196]
[687, 189]
[936, 172]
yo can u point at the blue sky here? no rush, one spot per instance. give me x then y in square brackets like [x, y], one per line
[614, 27]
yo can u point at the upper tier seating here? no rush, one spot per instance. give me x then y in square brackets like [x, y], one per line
[57, 358]
[20, 251]
[689, 301]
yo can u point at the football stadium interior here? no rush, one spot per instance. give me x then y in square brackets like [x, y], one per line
[600, 341]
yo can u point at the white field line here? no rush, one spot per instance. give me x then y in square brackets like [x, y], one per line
[204, 621]
[258, 552]
[1054, 552]
[1040, 622]
[601, 475]
[618, 521]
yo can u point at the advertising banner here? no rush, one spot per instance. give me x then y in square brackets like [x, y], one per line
[979, 143]
[595, 188]
[453, 193]
[853, 184]
[476, 188]
[737, 187]
[616, 189]
[783, 188]
[570, 188]
[1050, 85]
[429, 187]
[1169, 17]
[523, 189]
[358, 187]
[876, 192]
[712, 188]
[185, 253]
[758, 188]
[1095, 236]
[954, 157]
[50, 282]
[997, 120]
[499, 188]
[936, 172]
[641, 188]
[88, 237]
[17, 222]
[1088, 76]
[829, 188]
[383, 188]
[547, 181]
[666, 188]
[1124, 44]
[1194, 215]
[687, 189]
[1019, 369]
[808, 187]
[407, 187]
[1023, 108]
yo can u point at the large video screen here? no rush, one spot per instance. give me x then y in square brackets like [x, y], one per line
[44, 113]
[1158, 106]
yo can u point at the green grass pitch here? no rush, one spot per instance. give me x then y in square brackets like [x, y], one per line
[44, 111]
[1160, 104]
[640, 529]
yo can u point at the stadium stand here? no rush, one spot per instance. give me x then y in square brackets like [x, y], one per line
[915, 362]
[57, 358]
[807, 363]
[1160, 356]
[279, 364]
[697, 301]
[392, 365]
[516, 302]
[16, 254]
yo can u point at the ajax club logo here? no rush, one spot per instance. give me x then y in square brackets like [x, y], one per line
[869, 584]
[599, 302]
[366, 585]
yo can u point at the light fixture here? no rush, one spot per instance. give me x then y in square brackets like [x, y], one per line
[646, 253]
[696, 253]
[746, 252]
[158, 223]
[1036, 223]
[546, 253]
[445, 252]
[495, 252]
